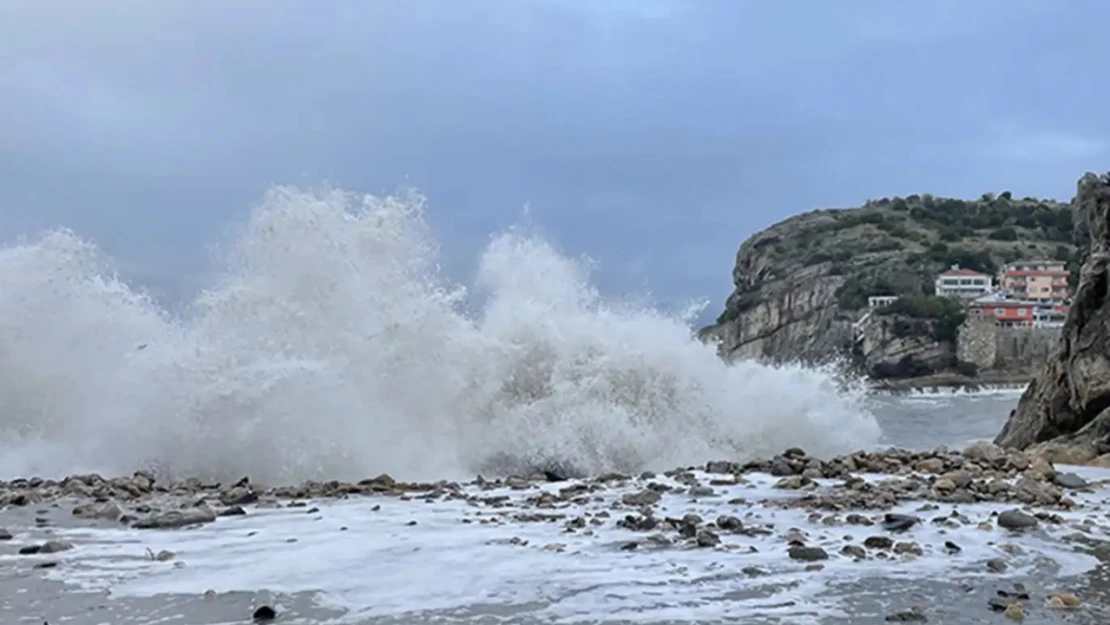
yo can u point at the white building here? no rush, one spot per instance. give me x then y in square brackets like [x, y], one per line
[878, 301]
[963, 283]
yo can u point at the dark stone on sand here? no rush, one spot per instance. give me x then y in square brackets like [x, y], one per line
[913, 615]
[997, 565]
[176, 518]
[55, 546]
[1070, 480]
[898, 522]
[730, 523]
[721, 466]
[554, 476]
[997, 604]
[643, 498]
[853, 551]
[264, 613]
[706, 538]
[1016, 520]
[239, 496]
[952, 547]
[781, 467]
[232, 511]
[878, 542]
[5, 534]
[807, 554]
[50, 546]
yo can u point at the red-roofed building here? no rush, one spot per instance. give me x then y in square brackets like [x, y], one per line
[963, 283]
[1041, 280]
[1011, 312]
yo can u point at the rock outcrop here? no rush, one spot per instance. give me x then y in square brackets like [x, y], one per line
[894, 343]
[801, 287]
[1068, 403]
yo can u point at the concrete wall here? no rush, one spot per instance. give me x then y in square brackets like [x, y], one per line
[990, 346]
[1021, 348]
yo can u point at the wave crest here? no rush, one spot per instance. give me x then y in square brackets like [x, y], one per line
[332, 348]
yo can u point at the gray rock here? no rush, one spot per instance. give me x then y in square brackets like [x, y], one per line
[107, 511]
[898, 522]
[702, 491]
[1070, 480]
[1016, 520]
[878, 542]
[706, 538]
[807, 554]
[643, 498]
[176, 518]
[720, 466]
[238, 496]
[5, 534]
[781, 467]
[913, 615]
[730, 523]
[854, 551]
[1066, 403]
[55, 546]
[997, 565]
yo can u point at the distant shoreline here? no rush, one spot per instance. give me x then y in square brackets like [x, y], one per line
[954, 382]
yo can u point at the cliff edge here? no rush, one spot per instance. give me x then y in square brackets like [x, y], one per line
[1068, 404]
[801, 286]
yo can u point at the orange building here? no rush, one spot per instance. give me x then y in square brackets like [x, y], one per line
[1039, 280]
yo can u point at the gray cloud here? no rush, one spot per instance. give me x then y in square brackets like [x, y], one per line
[654, 135]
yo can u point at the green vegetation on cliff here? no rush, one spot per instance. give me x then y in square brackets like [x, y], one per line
[802, 284]
[925, 234]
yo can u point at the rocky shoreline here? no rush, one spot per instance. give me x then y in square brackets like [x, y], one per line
[986, 380]
[859, 491]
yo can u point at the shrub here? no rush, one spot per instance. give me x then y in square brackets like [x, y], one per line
[964, 367]
[1003, 234]
[907, 367]
[944, 314]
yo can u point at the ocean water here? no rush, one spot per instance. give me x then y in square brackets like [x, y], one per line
[385, 561]
[332, 347]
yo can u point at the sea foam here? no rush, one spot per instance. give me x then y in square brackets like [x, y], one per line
[331, 347]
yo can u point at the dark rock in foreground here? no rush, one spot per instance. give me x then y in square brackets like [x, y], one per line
[176, 518]
[1068, 404]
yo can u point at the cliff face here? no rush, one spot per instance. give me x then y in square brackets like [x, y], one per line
[1068, 403]
[801, 285]
[782, 311]
[892, 346]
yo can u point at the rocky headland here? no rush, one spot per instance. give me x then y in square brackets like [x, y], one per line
[1066, 409]
[801, 286]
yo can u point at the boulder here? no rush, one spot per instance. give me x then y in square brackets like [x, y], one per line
[1069, 401]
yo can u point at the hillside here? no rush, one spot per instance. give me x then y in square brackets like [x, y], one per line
[801, 284]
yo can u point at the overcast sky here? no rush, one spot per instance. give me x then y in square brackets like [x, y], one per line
[653, 135]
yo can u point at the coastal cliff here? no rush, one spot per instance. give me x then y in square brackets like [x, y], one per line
[1067, 406]
[801, 287]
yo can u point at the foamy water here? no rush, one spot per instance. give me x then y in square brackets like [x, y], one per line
[366, 558]
[331, 347]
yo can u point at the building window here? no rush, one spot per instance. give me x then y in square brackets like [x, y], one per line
[999, 312]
